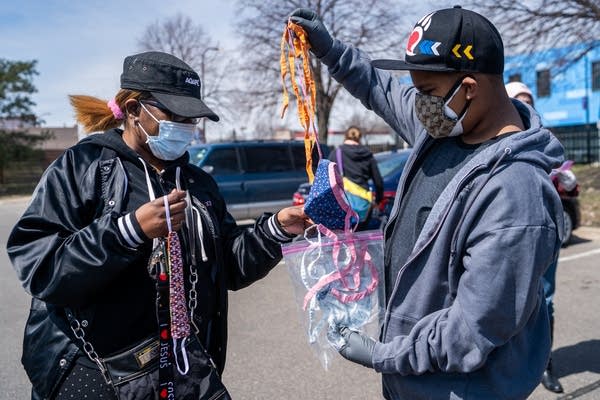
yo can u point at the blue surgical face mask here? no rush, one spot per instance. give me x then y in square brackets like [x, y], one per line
[173, 138]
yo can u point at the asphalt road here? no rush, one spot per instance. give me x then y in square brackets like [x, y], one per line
[269, 358]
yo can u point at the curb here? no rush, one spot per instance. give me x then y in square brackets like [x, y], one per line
[587, 232]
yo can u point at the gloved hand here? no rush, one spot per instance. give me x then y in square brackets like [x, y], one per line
[358, 348]
[319, 38]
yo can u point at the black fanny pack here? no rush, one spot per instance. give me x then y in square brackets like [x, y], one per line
[127, 364]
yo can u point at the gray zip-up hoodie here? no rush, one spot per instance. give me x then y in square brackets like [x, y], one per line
[467, 317]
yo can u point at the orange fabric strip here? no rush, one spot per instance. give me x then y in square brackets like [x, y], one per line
[294, 48]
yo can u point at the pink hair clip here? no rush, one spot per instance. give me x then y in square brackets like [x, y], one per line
[116, 110]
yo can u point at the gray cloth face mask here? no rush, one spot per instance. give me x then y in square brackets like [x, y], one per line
[438, 118]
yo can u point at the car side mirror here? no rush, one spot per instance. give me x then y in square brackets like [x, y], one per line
[208, 169]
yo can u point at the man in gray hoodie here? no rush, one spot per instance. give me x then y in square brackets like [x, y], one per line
[476, 220]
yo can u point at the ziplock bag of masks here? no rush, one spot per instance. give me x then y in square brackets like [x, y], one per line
[336, 279]
[335, 273]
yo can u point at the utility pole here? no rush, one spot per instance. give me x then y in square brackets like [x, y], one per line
[586, 101]
[202, 85]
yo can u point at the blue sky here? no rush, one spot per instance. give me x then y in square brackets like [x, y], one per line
[80, 45]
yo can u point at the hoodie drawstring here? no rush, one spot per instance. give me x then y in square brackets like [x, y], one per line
[200, 230]
[151, 194]
[201, 234]
[148, 181]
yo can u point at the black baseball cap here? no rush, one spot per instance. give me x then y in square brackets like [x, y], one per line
[452, 39]
[171, 81]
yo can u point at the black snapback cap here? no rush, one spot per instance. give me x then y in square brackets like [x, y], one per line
[171, 81]
[452, 39]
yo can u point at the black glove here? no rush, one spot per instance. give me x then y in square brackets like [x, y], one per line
[319, 38]
[358, 348]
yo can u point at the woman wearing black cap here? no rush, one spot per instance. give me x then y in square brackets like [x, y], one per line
[118, 311]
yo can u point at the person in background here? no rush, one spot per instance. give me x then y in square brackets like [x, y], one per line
[521, 92]
[476, 220]
[88, 249]
[358, 166]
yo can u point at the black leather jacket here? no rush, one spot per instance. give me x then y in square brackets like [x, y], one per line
[72, 255]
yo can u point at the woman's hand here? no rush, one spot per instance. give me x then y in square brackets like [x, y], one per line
[293, 220]
[152, 216]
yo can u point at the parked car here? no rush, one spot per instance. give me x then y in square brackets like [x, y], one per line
[391, 164]
[254, 176]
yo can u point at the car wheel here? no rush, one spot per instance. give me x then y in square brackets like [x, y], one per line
[568, 228]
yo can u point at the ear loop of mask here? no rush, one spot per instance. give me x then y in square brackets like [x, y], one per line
[458, 128]
[140, 124]
[149, 113]
[450, 113]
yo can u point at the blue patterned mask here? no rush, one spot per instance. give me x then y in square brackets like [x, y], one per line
[326, 203]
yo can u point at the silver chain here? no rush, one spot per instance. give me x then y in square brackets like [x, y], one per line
[193, 296]
[89, 349]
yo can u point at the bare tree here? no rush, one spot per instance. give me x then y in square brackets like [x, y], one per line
[367, 121]
[377, 26]
[180, 36]
[534, 26]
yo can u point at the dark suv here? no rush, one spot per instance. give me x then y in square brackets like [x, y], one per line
[254, 176]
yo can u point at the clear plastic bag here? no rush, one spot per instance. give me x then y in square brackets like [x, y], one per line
[337, 282]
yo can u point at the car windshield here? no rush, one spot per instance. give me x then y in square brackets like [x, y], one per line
[390, 164]
[197, 154]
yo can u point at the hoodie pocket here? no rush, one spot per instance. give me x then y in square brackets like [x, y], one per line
[399, 325]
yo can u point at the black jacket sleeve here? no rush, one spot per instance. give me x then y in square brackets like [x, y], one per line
[250, 253]
[62, 251]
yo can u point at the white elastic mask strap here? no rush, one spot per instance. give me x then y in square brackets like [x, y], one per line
[186, 364]
[149, 113]
[145, 133]
[140, 124]
[450, 113]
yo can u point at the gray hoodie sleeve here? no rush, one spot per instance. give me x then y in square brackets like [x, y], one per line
[505, 255]
[378, 90]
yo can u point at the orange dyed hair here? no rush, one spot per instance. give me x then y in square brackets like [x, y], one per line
[95, 115]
